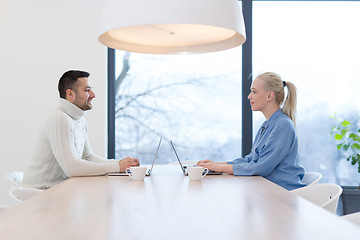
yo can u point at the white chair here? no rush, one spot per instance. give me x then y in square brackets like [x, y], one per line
[15, 178]
[311, 178]
[353, 217]
[325, 195]
[20, 194]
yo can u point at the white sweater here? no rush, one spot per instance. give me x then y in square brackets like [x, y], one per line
[63, 150]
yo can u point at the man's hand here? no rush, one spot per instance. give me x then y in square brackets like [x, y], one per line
[128, 162]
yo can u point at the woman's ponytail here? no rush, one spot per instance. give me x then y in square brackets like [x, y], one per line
[289, 107]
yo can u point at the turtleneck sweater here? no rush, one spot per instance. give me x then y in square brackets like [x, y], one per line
[63, 150]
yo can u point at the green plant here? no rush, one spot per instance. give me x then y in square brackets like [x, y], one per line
[348, 141]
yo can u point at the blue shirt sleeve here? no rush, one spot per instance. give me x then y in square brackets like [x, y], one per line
[269, 152]
[248, 157]
[245, 159]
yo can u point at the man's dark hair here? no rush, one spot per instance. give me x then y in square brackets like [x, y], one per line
[68, 81]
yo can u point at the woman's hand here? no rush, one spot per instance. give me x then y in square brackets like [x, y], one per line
[205, 161]
[216, 167]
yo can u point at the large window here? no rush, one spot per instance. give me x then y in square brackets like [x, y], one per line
[315, 45]
[193, 100]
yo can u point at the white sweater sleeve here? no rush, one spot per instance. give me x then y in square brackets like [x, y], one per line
[61, 135]
[90, 156]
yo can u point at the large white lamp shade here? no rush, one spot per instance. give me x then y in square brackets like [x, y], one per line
[172, 26]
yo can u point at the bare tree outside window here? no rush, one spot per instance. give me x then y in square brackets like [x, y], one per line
[193, 100]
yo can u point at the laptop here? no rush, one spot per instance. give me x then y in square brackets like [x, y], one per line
[184, 168]
[148, 172]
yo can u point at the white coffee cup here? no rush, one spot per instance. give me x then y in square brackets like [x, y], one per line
[136, 173]
[197, 172]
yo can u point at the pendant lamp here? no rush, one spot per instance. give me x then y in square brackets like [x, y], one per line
[172, 26]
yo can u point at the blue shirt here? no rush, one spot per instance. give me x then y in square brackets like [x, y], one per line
[274, 154]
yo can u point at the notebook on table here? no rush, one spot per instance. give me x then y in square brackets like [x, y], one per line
[184, 168]
[148, 172]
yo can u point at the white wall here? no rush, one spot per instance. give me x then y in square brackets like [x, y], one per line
[39, 40]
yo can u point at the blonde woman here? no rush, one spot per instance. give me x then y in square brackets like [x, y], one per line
[274, 154]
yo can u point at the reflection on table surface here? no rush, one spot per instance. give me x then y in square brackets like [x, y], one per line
[167, 205]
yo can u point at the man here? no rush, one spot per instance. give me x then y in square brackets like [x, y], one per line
[63, 149]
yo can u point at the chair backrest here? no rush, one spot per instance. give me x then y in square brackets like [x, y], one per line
[311, 178]
[353, 217]
[20, 194]
[15, 178]
[325, 195]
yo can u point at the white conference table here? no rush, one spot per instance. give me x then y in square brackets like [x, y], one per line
[167, 205]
